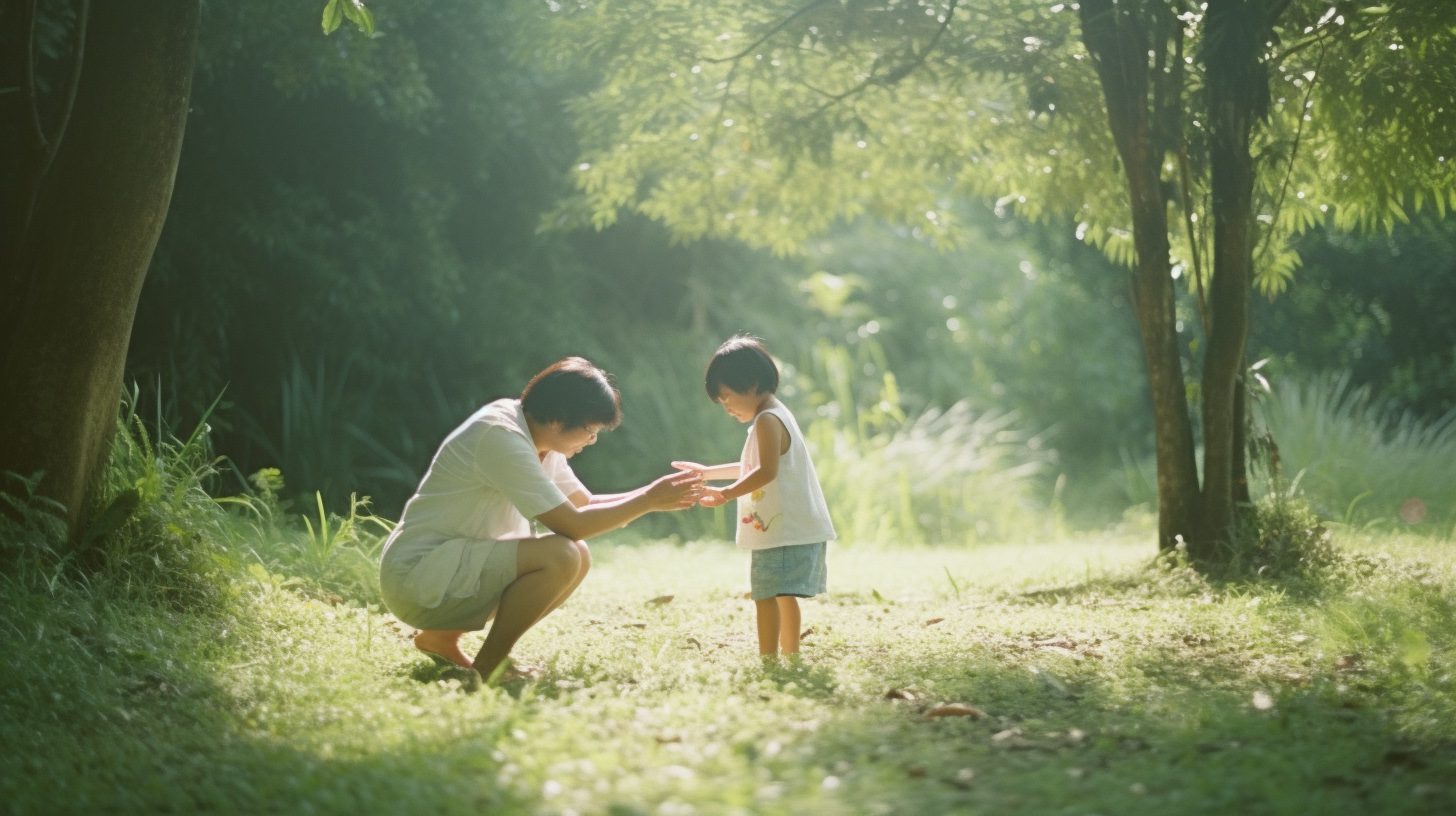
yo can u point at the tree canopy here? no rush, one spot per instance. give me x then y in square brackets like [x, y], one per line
[1181, 138]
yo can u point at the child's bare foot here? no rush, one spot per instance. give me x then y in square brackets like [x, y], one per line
[443, 644]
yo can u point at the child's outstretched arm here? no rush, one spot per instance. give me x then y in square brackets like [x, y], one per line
[708, 472]
[771, 436]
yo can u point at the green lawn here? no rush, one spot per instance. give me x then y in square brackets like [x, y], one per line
[1103, 687]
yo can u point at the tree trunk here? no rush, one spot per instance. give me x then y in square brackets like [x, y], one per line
[1238, 90]
[1118, 41]
[71, 287]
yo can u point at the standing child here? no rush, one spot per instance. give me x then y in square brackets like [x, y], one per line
[782, 516]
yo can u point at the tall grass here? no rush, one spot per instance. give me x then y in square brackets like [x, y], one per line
[332, 556]
[1361, 460]
[942, 477]
[32, 530]
[158, 531]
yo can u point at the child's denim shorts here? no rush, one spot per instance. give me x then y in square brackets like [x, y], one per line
[796, 570]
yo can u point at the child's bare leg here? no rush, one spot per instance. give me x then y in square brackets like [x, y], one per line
[768, 626]
[546, 569]
[788, 624]
[443, 642]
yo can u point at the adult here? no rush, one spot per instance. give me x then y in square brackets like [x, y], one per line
[464, 551]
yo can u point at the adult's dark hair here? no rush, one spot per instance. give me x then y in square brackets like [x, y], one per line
[743, 364]
[573, 392]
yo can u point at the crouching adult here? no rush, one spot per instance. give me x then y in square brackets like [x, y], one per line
[464, 553]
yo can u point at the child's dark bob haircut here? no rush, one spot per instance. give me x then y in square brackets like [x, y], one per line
[575, 393]
[742, 364]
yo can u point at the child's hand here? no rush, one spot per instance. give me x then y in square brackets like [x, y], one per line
[711, 497]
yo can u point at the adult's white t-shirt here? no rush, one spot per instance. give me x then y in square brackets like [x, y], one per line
[485, 483]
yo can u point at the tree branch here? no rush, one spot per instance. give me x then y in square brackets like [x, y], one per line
[1263, 246]
[890, 78]
[767, 35]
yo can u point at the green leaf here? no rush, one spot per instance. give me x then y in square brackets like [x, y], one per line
[333, 16]
[360, 16]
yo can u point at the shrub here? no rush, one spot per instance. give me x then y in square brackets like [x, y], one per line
[1279, 537]
[158, 533]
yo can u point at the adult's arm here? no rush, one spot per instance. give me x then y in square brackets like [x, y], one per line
[674, 491]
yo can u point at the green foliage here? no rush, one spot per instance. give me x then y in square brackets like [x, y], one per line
[1360, 459]
[1376, 306]
[159, 533]
[333, 556]
[32, 528]
[1278, 538]
[769, 125]
[353, 10]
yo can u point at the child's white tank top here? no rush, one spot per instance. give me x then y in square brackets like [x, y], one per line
[790, 509]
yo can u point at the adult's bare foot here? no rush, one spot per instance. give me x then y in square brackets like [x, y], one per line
[513, 672]
[443, 644]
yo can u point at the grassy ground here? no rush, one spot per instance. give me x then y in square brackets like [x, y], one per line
[1098, 687]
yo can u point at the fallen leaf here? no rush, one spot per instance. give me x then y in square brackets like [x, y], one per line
[664, 739]
[660, 600]
[933, 621]
[901, 694]
[956, 710]
[806, 633]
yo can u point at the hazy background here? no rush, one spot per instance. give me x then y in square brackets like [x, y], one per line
[359, 253]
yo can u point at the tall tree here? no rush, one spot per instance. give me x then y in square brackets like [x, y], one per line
[93, 106]
[89, 169]
[1188, 140]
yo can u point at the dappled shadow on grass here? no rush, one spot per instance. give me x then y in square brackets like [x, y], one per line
[115, 708]
[1154, 733]
[800, 678]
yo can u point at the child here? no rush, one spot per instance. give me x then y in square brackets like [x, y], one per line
[781, 515]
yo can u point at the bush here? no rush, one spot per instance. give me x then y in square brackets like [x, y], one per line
[1279, 538]
[158, 532]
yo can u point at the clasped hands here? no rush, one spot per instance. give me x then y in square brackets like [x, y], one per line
[707, 496]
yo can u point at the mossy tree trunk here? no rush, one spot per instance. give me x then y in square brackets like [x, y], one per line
[90, 177]
[1118, 39]
[1128, 42]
